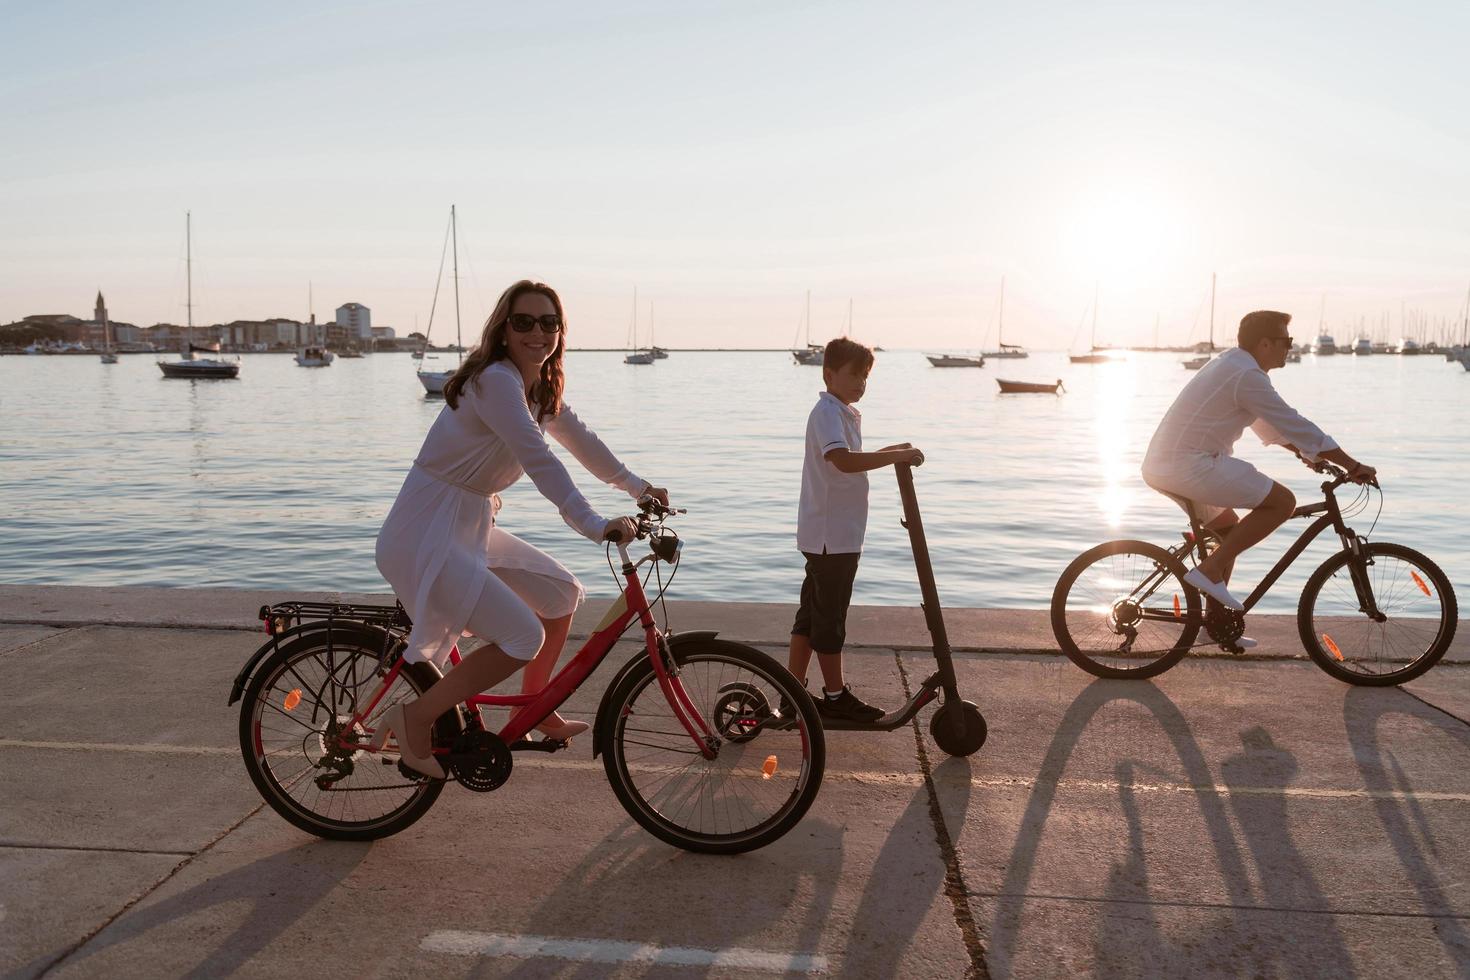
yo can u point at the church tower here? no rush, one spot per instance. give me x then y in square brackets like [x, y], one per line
[101, 311]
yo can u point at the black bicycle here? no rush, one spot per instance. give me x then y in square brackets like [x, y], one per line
[1374, 614]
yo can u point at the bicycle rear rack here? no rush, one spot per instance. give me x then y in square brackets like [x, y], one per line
[286, 615]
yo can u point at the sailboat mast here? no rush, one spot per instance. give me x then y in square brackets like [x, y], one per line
[1000, 330]
[808, 319]
[1212, 313]
[633, 341]
[454, 233]
[1093, 346]
[189, 284]
[849, 316]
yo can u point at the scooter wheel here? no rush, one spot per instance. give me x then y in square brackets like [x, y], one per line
[942, 728]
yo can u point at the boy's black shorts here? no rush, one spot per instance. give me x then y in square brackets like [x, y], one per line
[825, 594]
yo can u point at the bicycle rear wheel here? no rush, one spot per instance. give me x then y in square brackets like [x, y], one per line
[768, 767]
[1412, 594]
[297, 708]
[1122, 610]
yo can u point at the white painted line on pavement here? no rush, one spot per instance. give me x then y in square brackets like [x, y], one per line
[907, 779]
[458, 943]
[155, 749]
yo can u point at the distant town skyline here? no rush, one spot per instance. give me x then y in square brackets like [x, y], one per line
[727, 158]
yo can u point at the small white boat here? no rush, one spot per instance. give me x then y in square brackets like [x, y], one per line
[1324, 345]
[313, 357]
[955, 361]
[811, 355]
[639, 357]
[434, 381]
[350, 352]
[1363, 346]
[1195, 363]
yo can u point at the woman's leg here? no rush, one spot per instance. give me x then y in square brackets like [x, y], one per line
[538, 672]
[513, 634]
[479, 671]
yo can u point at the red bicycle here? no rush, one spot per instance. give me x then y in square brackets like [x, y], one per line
[675, 729]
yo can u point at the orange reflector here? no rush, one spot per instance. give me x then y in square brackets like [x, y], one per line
[1331, 647]
[768, 768]
[1420, 582]
[293, 699]
[1176, 605]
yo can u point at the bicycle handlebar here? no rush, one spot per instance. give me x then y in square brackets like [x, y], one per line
[1327, 468]
[650, 511]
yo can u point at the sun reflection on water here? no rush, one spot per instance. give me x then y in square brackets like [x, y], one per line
[1116, 386]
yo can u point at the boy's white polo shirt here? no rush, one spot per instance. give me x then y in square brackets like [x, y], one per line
[832, 515]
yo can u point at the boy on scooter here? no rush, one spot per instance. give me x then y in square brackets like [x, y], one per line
[831, 520]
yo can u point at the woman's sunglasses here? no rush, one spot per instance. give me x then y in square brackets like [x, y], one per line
[525, 322]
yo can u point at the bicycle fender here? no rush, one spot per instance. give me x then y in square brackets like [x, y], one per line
[273, 644]
[604, 709]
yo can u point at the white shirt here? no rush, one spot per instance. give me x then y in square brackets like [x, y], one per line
[439, 540]
[832, 515]
[1212, 411]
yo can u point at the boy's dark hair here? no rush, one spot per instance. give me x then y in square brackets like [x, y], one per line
[1256, 327]
[842, 352]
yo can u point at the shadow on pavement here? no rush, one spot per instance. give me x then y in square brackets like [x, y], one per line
[670, 897]
[1404, 822]
[279, 890]
[1129, 938]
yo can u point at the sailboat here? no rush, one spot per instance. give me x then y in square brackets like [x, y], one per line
[434, 381]
[1195, 363]
[659, 354]
[1093, 357]
[811, 354]
[636, 356]
[189, 366]
[1006, 350]
[109, 356]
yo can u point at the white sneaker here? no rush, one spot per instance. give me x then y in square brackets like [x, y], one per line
[1215, 590]
[1245, 643]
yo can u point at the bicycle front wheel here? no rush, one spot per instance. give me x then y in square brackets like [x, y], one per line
[770, 750]
[1122, 610]
[1417, 616]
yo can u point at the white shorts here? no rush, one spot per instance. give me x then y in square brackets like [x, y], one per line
[1212, 483]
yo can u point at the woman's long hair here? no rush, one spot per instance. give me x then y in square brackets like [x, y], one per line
[546, 393]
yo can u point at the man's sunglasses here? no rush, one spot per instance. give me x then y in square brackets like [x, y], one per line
[1285, 341]
[525, 322]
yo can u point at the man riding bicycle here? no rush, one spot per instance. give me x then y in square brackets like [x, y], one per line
[1189, 458]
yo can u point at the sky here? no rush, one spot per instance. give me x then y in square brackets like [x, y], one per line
[897, 160]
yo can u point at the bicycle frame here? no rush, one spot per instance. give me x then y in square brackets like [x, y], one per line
[1331, 517]
[632, 604]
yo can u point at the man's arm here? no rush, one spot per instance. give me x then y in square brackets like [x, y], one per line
[1357, 471]
[850, 462]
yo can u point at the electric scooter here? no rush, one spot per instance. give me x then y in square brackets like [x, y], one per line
[957, 727]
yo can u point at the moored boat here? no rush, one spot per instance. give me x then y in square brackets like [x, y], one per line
[1363, 346]
[955, 361]
[1324, 345]
[314, 357]
[189, 366]
[1029, 387]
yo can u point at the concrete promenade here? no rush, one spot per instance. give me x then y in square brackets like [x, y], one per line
[1235, 817]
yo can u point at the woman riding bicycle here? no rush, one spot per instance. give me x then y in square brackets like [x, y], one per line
[440, 548]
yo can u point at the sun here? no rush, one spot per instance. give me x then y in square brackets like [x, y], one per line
[1126, 238]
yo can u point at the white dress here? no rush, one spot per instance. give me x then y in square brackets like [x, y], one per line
[439, 544]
